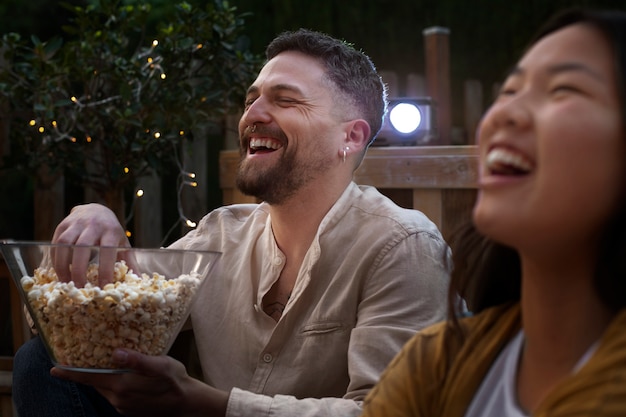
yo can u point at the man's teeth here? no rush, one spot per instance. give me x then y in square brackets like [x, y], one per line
[504, 161]
[257, 143]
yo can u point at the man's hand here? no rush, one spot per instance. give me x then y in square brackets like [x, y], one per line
[155, 386]
[89, 224]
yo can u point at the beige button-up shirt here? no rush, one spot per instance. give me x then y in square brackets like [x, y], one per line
[374, 275]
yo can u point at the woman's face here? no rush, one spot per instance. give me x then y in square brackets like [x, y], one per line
[552, 145]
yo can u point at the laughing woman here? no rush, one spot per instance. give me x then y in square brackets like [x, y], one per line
[543, 266]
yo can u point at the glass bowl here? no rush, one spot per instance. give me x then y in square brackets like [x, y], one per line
[142, 304]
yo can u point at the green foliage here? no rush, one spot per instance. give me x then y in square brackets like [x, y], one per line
[116, 99]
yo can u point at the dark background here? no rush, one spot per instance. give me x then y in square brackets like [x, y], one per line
[486, 36]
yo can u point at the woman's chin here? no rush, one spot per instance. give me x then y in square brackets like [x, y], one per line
[492, 224]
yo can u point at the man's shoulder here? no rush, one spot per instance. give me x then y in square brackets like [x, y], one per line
[235, 216]
[238, 212]
[370, 202]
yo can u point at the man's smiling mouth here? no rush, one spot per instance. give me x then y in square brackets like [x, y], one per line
[264, 145]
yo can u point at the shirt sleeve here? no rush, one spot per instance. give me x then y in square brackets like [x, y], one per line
[405, 292]
[247, 404]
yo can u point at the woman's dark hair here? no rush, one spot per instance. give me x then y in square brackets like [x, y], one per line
[487, 273]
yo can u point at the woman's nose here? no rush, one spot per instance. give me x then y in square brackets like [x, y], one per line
[508, 112]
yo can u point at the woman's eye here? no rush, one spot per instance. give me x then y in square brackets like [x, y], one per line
[507, 90]
[563, 88]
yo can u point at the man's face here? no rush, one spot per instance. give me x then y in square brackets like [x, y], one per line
[297, 131]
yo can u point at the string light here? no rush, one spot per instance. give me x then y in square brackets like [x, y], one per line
[151, 68]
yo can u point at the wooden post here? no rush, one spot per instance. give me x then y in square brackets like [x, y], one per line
[48, 200]
[437, 59]
[415, 85]
[473, 109]
[148, 213]
[195, 199]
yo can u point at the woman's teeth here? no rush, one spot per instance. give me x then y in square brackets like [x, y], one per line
[505, 162]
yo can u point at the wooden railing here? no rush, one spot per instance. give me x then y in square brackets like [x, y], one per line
[440, 181]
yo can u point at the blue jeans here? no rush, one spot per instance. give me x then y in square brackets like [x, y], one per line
[38, 394]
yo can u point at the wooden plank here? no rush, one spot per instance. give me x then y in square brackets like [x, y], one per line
[396, 167]
[429, 202]
[429, 167]
[440, 181]
[458, 205]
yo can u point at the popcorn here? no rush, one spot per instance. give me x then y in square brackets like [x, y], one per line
[83, 326]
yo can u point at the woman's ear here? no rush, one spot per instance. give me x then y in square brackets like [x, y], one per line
[358, 134]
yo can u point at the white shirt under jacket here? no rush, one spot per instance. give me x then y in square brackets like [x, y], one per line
[374, 275]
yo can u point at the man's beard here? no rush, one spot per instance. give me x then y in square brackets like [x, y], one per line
[276, 184]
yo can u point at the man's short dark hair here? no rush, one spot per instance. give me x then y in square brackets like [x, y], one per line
[350, 70]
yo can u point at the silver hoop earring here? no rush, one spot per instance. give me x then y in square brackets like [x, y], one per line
[344, 156]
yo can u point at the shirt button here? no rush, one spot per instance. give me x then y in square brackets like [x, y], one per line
[267, 358]
[278, 261]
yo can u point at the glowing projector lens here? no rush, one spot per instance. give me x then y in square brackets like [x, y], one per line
[405, 117]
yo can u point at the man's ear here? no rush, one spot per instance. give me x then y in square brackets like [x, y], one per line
[358, 134]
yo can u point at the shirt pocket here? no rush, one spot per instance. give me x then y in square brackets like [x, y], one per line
[322, 328]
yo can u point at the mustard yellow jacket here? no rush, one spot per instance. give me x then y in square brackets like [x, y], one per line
[438, 375]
